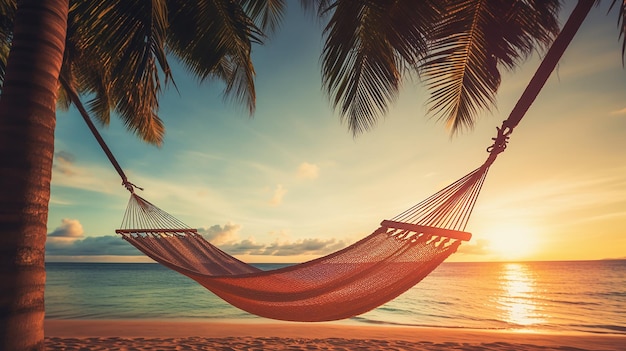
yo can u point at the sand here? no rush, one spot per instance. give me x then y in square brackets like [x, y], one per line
[209, 335]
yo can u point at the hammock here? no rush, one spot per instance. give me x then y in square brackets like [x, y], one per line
[363, 276]
[354, 280]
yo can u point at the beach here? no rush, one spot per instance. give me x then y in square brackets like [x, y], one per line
[262, 335]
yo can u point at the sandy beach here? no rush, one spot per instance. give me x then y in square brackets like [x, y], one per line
[208, 335]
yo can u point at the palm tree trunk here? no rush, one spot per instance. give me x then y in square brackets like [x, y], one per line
[27, 121]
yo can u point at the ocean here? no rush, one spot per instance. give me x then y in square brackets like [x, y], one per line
[572, 296]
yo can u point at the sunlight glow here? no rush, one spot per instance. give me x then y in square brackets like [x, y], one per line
[518, 298]
[513, 242]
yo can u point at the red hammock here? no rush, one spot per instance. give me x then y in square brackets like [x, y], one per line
[361, 277]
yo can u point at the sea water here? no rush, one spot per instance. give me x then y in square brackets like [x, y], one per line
[572, 296]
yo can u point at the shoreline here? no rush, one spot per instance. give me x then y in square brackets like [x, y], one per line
[143, 334]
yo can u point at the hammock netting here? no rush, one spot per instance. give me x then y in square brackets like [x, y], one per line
[349, 282]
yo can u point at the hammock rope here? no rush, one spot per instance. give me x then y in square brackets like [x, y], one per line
[353, 280]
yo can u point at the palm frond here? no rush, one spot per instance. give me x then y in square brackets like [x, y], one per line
[205, 35]
[318, 7]
[7, 13]
[267, 14]
[368, 46]
[122, 56]
[621, 23]
[474, 37]
[83, 70]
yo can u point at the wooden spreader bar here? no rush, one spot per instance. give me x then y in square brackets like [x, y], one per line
[454, 234]
[160, 230]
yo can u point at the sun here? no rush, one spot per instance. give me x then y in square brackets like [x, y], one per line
[512, 242]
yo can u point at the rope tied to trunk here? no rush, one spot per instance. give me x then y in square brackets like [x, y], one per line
[500, 142]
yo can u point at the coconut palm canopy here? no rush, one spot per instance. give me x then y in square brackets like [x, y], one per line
[254, 184]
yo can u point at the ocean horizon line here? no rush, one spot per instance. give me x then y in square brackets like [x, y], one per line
[294, 263]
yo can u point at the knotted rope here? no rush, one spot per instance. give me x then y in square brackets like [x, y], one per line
[547, 65]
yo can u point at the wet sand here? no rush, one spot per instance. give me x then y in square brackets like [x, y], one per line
[225, 335]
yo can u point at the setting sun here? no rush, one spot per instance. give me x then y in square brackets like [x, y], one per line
[513, 242]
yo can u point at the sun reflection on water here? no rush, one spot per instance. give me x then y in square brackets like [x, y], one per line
[518, 299]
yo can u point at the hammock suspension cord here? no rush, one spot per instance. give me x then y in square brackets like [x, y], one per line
[85, 115]
[353, 280]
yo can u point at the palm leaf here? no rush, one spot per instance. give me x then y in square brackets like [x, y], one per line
[7, 13]
[213, 39]
[621, 22]
[469, 43]
[122, 54]
[368, 46]
[318, 7]
[267, 14]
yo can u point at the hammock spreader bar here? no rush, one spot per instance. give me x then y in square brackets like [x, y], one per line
[351, 281]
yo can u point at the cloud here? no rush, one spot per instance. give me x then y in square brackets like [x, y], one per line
[69, 228]
[619, 112]
[68, 240]
[481, 247]
[226, 237]
[561, 194]
[111, 245]
[64, 163]
[92, 246]
[279, 193]
[247, 246]
[300, 247]
[308, 171]
[305, 247]
[98, 178]
[219, 235]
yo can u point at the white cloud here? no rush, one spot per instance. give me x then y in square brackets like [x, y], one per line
[68, 240]
[279, 193]
[65, 235]
[64, 163]
[308, 171]
[219, 235]
[69, 228]
[68, 174]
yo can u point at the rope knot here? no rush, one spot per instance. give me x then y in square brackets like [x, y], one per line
[500, 141]
[130, 186]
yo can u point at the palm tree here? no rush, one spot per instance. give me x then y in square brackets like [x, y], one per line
[114, 52]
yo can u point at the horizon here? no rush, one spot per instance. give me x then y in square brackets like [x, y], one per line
[293, 184]
[295, 263]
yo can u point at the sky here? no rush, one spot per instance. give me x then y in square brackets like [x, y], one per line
[292, 183]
